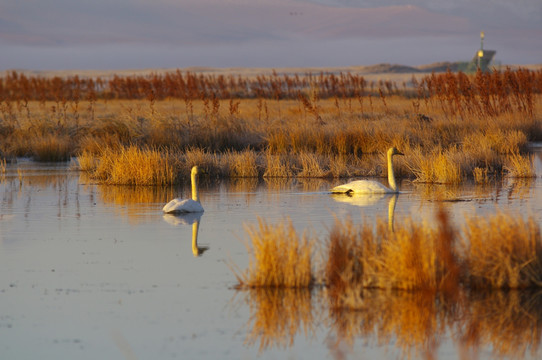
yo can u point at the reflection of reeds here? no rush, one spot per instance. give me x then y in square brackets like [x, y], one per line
[510, 322]
[507, 322]
[279, 257]
[127, 195]
[278, 315]
[413, 321]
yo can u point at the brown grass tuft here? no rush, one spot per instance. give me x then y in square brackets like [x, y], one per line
[51, 148]
[130, 166]
[502, 251]
[279, 257]
[520, 166]
[243, 164]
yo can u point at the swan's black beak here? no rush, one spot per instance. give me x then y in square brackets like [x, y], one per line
[399, 153]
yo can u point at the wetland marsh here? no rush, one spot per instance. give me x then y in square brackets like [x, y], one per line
[92, 268]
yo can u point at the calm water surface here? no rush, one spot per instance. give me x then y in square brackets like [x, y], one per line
[98, 272]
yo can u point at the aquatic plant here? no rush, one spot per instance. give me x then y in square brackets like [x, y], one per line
[279, 257]
[500, 252]
[130, 166]
[289, 126]
[518, 165]
[51, 148]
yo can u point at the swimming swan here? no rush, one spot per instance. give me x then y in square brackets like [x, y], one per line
[369, 186]
[177, 206]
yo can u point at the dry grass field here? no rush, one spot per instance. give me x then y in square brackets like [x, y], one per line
[265, 123]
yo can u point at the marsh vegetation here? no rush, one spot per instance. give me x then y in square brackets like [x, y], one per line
[415, 283]
[451, 126]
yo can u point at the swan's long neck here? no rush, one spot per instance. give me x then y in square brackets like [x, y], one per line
[194, 178]
[391, 175]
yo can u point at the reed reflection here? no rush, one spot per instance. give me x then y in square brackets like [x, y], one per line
[193, 219]
[278, 315]
[510, 322]
[236, 185]
[414, 323]
[23, 185]
[134, 199]
[129, 195]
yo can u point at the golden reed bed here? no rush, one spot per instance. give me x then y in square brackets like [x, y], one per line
[408, 288]
[498, 252]
[451, 126]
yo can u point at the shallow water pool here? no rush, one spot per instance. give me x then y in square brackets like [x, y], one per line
[91, 271]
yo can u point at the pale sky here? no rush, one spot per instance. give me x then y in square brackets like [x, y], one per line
[135, 34]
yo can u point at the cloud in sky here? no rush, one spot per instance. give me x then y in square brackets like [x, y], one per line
[177, 33]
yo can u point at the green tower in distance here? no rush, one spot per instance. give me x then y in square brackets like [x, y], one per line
[482, 59]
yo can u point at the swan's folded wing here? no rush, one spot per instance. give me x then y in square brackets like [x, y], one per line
[361, 187]
[177, 206]
[342, 189]
[170, 206]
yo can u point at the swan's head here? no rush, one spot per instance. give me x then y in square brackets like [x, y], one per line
[394, 151]
[195, 170]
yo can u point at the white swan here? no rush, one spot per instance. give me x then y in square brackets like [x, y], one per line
[177, 206]
[369, 186]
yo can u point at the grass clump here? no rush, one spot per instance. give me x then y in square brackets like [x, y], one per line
[243, 164]
[439, 167]
[51, 148]
[279, 257]
[500, 252]
[130, 165]
[412, 257]
[521, 166]
[503, 252]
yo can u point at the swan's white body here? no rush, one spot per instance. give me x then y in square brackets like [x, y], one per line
[370, 186]
[179, 206]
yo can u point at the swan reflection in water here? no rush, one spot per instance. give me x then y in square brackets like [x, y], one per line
[366, 200]
[189, 219]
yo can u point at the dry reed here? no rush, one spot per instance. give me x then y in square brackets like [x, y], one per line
[502, 251]
[130, 166]
[518, 165]
[499, 252]
[279, 257]
[292, 126]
